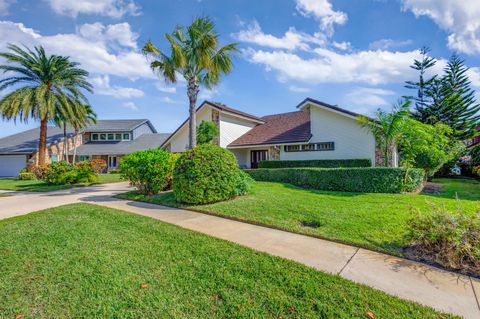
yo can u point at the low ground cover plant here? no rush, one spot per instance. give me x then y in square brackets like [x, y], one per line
[207, 174]
[150, 171]
[358, 162]
[25, 175]
[450, 239]
[365, 180]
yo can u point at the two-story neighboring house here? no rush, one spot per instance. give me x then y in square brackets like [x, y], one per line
[317, 130]
[107, 139]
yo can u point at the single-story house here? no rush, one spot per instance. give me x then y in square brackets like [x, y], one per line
[107, 139]
[316, 130]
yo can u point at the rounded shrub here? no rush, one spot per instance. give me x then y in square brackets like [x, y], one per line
[207, 174]
[61, 172]
[85, 173]
[149, 170]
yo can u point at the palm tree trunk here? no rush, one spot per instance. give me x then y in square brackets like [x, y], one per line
[65, 142]
[192, 92]
[387, 153]
[42, 143]
[75, 139]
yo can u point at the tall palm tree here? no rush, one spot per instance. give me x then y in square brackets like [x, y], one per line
[84, 116]
[196, 55]
[387, 126]
[44, 84]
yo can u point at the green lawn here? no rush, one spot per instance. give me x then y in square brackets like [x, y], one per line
[41, 186]
[375, 221]
[87, 261]
[468, 189]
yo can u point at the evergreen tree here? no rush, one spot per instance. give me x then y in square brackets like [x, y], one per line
[423, 86]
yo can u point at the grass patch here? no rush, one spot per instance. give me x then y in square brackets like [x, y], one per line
[464, 189]
[41, 186]
[86, 261]
[374, 221]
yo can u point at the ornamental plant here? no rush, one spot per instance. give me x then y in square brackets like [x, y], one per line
[98, 165]
[207, 174]
[150, 171]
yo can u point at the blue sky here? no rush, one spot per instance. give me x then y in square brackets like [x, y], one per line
[354, 53]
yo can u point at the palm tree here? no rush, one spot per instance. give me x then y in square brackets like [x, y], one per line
[387, 126]
[85, 115]
[44, 85]
[196, 55]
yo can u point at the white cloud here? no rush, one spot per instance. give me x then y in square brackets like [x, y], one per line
[460, 18]
[90, 46]
[326, 66]
[4, 5]
[342, 45]
[130, 105]
[298, 89]
[110, 8]
[118, 35]
[385, 44]
[291, 40]
[369, 96]
[206, 94]
[103, 87]
[169, 100]
[322, 10]
[162, 87]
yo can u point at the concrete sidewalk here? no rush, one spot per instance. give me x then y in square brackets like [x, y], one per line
[442, 290]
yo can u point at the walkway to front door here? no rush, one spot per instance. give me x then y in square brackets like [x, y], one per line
[257, 156]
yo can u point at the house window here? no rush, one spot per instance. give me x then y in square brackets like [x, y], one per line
[54, 158]
[84, 158]
[111, 136]
[118, 137]
[94, 137]
[325, 146]
[126, 136]
[103, 137]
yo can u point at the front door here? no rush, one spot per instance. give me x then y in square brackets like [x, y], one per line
[257, 156]
[112, 162]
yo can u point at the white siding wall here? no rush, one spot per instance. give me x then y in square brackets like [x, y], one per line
[351, 140]
[180, 141]
[243, 157]
[232, 128]
[142, 129]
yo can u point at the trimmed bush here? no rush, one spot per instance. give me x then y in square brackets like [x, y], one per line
[26, 176]
[365, 180]
[85, 173]
[98, 165]
[40, 171]
[359, 162]
[57, 169]
[208, 174]
[149, 170]
[451, 239]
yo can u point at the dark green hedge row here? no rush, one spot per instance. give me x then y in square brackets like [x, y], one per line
[365, 180]
[357, 162]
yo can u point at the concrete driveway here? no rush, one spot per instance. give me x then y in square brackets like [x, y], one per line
[23, 203]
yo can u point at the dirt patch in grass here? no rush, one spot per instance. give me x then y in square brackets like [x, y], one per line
[432, 188]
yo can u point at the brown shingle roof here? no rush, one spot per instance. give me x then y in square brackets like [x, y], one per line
[278, 129]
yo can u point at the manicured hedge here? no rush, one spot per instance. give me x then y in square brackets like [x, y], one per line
[357, 162]
[366, 180]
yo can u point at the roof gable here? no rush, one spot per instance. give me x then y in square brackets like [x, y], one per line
[326, 106]
[117, 125]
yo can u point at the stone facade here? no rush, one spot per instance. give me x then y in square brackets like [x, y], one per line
[216, 121]
[274, 153]
[56, 149]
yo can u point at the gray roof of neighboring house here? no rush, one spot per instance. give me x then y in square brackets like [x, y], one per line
[26, 142]
[117, 125]
[145, 141]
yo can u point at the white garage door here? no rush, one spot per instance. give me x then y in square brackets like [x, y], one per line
[11, 165]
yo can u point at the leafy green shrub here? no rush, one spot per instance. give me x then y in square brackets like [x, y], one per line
[57, 169]
[366, 180]
[207, 174]
[40, 171]
[85, 173]
[357, 162]
[451, 239]
[26, 176]
[206, 132]
[149, 170]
